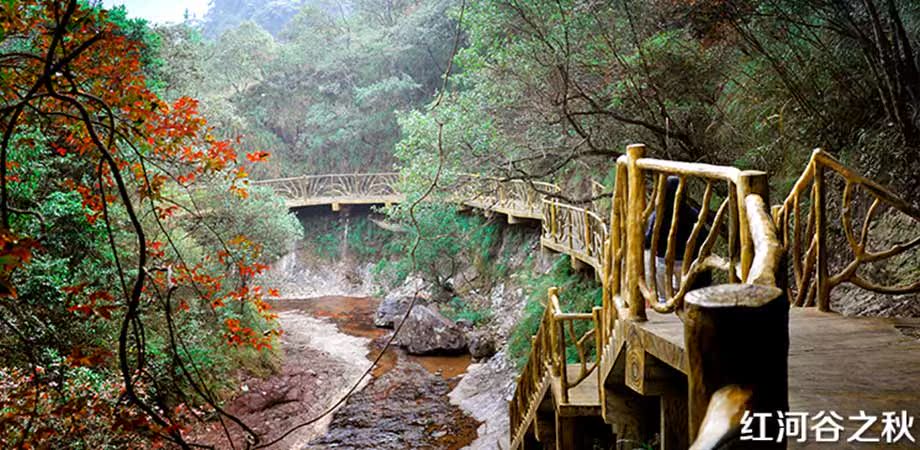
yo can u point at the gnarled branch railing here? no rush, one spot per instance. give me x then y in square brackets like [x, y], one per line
[517, 198]
[575, 231]
[806, 238]
[336, 188]
[715, 238]
[548, 362]
[731, 232]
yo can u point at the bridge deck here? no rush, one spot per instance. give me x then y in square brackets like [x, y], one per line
[584, 399]
[836, 363]
[344, 200]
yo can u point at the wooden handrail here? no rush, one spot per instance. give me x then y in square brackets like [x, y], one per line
[324, 175]
[732, 232]
[547, 361]
[807, 239]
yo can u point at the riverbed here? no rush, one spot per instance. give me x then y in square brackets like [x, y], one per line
[327, 344]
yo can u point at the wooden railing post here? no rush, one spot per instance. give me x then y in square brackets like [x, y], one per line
[820, 205]
[635, 233]
[570, 227]
[736, 338]
[563, 364]
[553, 226]
[750, 182]
[600, 338]
[550, 325]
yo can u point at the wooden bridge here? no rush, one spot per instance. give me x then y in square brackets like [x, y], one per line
[336, 189]
[663, 360]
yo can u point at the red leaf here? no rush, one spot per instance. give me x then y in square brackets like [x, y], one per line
[257, 156]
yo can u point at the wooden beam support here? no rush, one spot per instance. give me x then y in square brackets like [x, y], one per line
[674, 429]
[633, 417]
[545, 422]
[578, 265]
[634, 232]
[531, 442]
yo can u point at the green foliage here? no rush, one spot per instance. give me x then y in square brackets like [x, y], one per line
[317, 85]
[559, 88]
[448, 240]
[359, 237]
[577, 294]
[458, 309]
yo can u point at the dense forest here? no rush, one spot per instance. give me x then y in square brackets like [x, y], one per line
[132, 241]
[319, 90]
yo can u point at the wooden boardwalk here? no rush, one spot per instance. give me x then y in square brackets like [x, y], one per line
[837, 363]
[656, 356]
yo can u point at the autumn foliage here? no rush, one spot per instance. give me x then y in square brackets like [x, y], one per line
[104, 304]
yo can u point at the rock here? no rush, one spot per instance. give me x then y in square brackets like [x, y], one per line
[428, 332]
[484, 394]
[497, 296]
[482, 344]
[391, 310]
[466, 280]
[406, 408]
[465, 324]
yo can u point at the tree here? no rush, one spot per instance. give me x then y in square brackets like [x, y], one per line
[108, 259]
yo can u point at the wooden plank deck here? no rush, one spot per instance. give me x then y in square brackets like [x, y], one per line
[836, 363]
[584, 399]
[850, 364]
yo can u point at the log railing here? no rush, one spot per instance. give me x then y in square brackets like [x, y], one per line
[803, 220]
[559, 332]
[318, 189]
[732, 238]
[575, 231]
[515, 197]
[719, 242]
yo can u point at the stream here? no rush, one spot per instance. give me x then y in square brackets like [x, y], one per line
[328, 342]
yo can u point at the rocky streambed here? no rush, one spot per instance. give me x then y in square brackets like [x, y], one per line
[328, 343]
[405, 403]
[439, 397]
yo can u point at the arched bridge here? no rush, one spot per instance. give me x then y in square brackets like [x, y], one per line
[336, 189]
[664, 359]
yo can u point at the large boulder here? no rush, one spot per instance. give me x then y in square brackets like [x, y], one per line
[482, 344]
[427, 332]
[391, 310]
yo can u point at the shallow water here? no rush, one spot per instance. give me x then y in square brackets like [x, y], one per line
[355, 316]
[446, 427]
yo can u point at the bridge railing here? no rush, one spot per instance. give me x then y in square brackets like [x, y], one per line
[575, 231]
[561, 337]
[703, 219]
[518, 198]
[805, 233]
[321, 189]
[731, 238]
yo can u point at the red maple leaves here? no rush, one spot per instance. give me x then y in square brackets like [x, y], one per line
[256, 157]
[72, 76]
